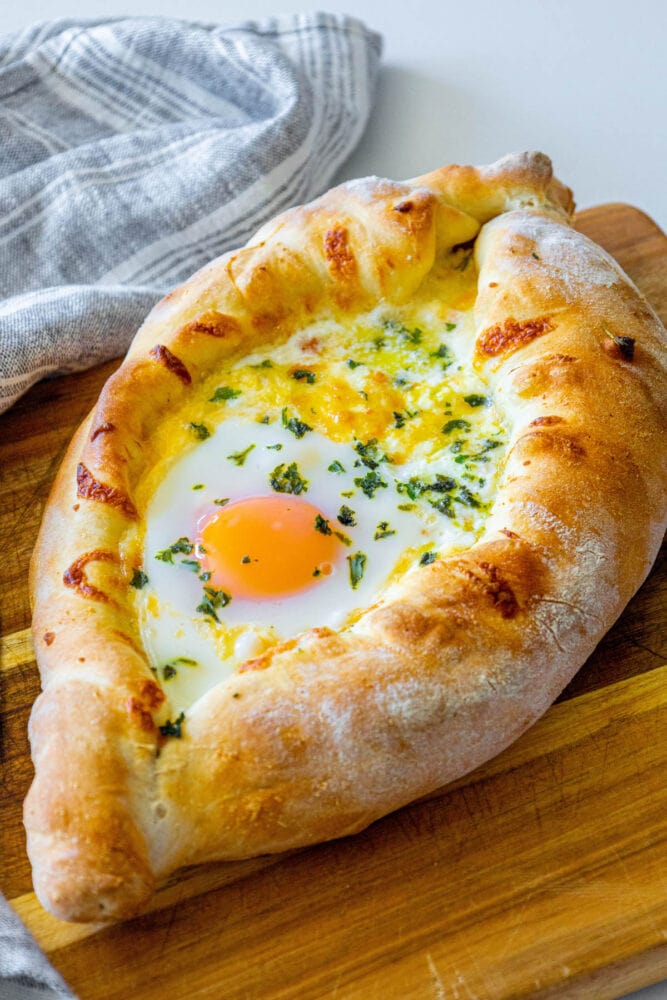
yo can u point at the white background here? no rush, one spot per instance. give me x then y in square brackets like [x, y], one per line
[469, 80]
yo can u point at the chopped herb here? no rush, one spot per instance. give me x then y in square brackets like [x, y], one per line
[456, 425]
[626, 345]
[223, 393]
[467, 498]
[191, 564]
[336, 467]
[456, 447]
[198, 486]
[297, 427]
[264, 420]
[405, 506]
[288, 480]
[168, 672]
[533, 254]
[475, 400]
[173, 728]
[317, 571]
[266, 363]
[411, 336]
[322, 525]
[347, 516]
[200, 431]
[139, 579]
[444, 353]
[370, 483]
[379, 343]
[240, 456]
[343, 538]
[211, 601]
[428, 558]
[444, 506]
[370, 454]
[383, 531]
[347, 493]
[246, 559]
[274, 447]
[303, 375]
[353, 364]
[357, 566]
[401, 381]
[221, 502]
[400, 418]
[182, 545]
[205, 577]
[449, 327]
[415, 486]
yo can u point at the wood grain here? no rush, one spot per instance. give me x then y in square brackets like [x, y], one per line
[543, 874]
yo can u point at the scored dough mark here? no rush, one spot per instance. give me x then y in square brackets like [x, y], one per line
[171, 362]
[508, 336]
[76, 578]
[105, 428]
[213, 324]
[89, 488]
[342, 263]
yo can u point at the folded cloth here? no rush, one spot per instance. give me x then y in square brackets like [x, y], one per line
[25, 973]
[134, 150]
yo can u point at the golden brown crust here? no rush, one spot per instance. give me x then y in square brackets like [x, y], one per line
[449, 667]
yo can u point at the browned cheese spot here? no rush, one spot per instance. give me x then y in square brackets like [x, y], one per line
[76, 578]
[171, 362]
[89, 488]
[487, 577]
[49, 637]
[338, 253]
[546, 421]
[140, 715]
[213, 324]
[102, 429]
[511, 334]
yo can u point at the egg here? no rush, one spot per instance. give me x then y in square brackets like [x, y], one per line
[308, 479]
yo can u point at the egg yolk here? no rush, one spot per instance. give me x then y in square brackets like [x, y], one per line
[267, 547]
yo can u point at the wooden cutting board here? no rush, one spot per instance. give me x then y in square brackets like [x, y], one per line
[543, 874]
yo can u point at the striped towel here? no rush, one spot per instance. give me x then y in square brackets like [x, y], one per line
[134, 150]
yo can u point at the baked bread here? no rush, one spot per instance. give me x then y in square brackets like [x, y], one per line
[330, 728]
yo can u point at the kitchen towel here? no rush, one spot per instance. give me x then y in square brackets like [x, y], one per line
[134, 150]
[25, 973]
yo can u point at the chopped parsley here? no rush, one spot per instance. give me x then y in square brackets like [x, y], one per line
[353, 364]
[213, 600]
[428, 558]
[223, 393]
[139, 579]
[456, 425]
[274, 447]
[400, 418]
[221, 502]
[200, 431]
[347, 516]
[191, 564]
[240, 456]
[370, 483]
[173, 728]
[288, 480]
[444, 353]
[449, 327]
[182, 545]
[198, 486]
[336, 467]
[317, 571]
[168, 671]
[303, 375]
[410, 336]
[475, 400]
[246, 560]
[357, 564]
[266, 363]
[322, 525]
[443, 505]
[383, 531]
[370, 454]
[293, 424]
[467, 498]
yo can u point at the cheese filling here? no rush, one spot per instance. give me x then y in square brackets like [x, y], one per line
[310, 477]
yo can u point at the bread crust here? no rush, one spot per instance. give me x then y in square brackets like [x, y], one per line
[316, 740]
